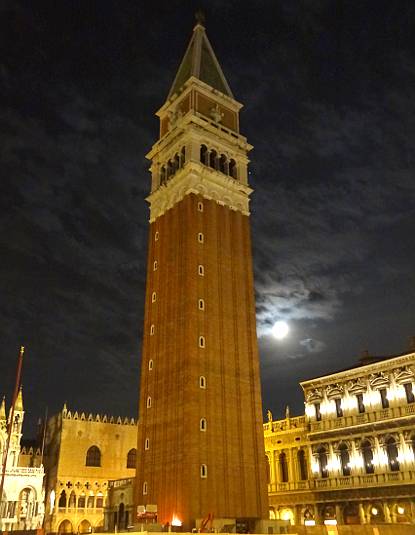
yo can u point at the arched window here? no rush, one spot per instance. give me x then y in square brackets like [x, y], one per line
[392, 453]
[170, 169]
[150, 364]
[148, 402]
[201, 341]
[81, 501]
[145, 488]
[283, 467]
[176, 162]
[183, 156]
[410, 398]
[132, 458]
[147, 444]
[202, 381]
[72, 500]
[152, 330]
[367, 455]
[200, 206]
[203, 471]
[204, 154]
[90, 502]
[201, 270]
[203, 424]
[100, 501]
[153, 297]
[302, 464]
[322, 461]
[163, 175]
[232, 169]
[344, 459]
[62, 500]
[93, 457]
[223, 164]
[201, 304]
[213, 159]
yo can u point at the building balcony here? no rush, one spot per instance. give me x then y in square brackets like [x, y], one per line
[346, 482]
[297, 422]
[334, 424]
[25, 471]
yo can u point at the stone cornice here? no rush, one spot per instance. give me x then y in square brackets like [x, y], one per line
[360, 371]
[200, 180]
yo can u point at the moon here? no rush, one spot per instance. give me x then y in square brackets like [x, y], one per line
[280, 329]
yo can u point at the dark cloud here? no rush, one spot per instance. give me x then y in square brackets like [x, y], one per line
[329, 109]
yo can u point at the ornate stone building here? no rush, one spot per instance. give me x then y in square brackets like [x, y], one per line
[84, 451]
[350, 459]
[200, 438]
[22, 504]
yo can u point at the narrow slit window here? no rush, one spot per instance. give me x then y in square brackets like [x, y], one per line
[152, 330]
[201, 304]
[156, 236]
[153, 297]
[203, 471]
[202, 381]
[147, 444]
[201, 270]
[203, 424]
[145, 488]
[202, 342]
[200, 206]
[148, 402]
[200, 237]
[155, 265]
[150, 364]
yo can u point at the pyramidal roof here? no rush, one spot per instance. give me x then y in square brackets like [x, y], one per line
[200, 61]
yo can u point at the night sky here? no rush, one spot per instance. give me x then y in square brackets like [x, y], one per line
[329, 94]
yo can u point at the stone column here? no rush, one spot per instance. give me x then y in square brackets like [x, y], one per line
[362, 514]
[332, 458]
[387, 513]
[291, 468]
[339, 515]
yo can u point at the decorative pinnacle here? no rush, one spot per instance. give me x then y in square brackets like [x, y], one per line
[200, 17]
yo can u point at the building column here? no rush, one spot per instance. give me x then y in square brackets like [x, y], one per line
[362, 514]
[339, 514]
[402, 451]
[412, 506]
[333, 457]
[291, 467]
[379, 454]
[387, 512]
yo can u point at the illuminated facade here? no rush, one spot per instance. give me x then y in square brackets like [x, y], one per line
[200, 438]
[350, 459]
[22, 506]
[84, 451]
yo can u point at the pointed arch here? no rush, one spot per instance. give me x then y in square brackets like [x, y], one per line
[93, 456]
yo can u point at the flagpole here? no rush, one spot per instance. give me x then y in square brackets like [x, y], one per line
[10, 423]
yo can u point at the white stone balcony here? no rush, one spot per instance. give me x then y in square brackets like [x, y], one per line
[346, 482]
[334, 424]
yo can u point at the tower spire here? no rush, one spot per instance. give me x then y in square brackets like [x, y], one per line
[200, 61]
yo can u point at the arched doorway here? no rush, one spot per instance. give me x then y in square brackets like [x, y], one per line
[375, 514]
[65, 527]
[351, 514]
[85, 527]
[121, 516]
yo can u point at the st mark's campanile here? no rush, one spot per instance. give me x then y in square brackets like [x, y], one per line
[200, 438]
